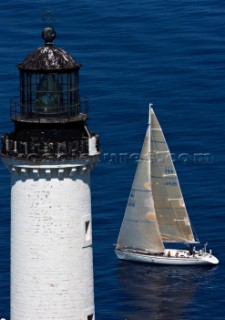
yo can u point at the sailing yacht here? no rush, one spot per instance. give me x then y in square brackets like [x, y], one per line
[156, 221]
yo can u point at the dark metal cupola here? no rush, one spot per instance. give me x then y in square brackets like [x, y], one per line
[49, 85]
[50, 110]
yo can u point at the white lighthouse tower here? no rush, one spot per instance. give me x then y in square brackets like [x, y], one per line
[50, 155]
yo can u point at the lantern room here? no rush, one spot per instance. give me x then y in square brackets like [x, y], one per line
[49, 86]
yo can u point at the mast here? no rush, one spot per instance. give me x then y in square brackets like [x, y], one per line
[50, 155]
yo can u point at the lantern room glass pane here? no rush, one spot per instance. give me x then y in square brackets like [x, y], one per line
[49, 94]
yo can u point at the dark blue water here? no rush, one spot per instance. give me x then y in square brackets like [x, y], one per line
[170, 53]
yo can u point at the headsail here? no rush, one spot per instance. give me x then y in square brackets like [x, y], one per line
[139, 228]
[169, 204]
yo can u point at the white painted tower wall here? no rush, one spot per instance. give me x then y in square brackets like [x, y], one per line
[51, 241]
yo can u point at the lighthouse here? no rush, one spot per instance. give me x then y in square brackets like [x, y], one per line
[50, 155]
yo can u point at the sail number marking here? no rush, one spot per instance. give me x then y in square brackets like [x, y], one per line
[171, 184]
[169, 171]
[131, 202]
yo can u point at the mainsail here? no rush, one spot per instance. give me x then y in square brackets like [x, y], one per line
[139, 228]
[172, 216]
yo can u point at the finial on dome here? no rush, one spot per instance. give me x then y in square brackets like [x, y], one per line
[48, 34]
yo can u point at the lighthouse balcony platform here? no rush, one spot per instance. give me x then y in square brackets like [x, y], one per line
[52, 150]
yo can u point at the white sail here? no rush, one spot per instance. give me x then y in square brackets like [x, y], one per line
[156, 212]
[172, 216]
[139, 228]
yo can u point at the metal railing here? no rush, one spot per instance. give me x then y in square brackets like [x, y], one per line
[29, 150]
[33, 112]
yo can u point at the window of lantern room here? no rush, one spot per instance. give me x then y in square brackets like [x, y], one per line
[49, 94]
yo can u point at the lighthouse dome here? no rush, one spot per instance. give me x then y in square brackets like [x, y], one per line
[49, 57]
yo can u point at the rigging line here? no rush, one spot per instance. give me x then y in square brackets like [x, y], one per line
[142, 190]
[139, 221]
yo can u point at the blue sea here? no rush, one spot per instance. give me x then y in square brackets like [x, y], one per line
[171, 54]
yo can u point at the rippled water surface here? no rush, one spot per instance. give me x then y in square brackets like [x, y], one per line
[169, 53]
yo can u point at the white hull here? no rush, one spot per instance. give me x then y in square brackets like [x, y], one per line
[177, 257]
